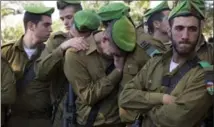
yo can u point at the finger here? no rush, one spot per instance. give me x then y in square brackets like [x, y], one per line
[84, 46]
[84, 42]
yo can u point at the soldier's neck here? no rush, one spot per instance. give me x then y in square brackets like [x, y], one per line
[180, 59]
[29, 42]
[98, 36]
[160, 36]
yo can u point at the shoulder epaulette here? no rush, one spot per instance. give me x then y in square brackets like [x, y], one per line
[150, 50]
[143, 44]
[209, 81]
[7, 44]
[58, 34]
[205, 65]
[157, 54]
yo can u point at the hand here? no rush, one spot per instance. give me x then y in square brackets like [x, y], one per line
[168, 99]
[78, 43]
[119, 62]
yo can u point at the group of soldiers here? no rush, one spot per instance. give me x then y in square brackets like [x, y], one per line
[159, 74]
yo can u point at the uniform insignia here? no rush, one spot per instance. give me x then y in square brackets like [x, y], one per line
[144, 44]
[209, 76]
[210, 87]
[150, 49]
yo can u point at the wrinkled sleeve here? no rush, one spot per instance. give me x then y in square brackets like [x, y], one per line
[8, 86]
[135, 99]
[6, 52]
[89, 91]
[49, 61]
[189, 107]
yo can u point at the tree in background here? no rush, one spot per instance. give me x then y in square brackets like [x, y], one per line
[12, 34]
[208, 28]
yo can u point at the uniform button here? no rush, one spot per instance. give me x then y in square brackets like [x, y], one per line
[129, 66]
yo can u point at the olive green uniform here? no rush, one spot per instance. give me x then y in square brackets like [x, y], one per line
[8, 88]
[138, 58]
[51, 62]
[91, 84]
[30, 108]
[205, 51]
[144, 94]
[50, 69]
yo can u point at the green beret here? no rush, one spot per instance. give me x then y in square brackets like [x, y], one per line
[85, 20]
[124, 34]
[113, 11]
[195, 7]
[162, 6]
[38, 9]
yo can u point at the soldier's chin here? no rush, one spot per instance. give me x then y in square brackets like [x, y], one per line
[184, 52]
[108, 56]
[67, 28]
[44, 39]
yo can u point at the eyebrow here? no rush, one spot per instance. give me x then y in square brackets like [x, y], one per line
[184, 26]
[48, 23]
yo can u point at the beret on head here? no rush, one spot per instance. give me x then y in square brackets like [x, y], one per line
[113, 11]
[124, 37]
[38, 9]
[85, 20]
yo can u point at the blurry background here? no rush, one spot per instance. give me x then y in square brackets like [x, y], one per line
[12, 15]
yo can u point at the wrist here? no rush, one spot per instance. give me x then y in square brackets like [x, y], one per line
[62, 47]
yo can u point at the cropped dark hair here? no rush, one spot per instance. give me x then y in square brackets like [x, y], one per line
[171, 20]
[31, 17]
[158, 16]
[62, 5]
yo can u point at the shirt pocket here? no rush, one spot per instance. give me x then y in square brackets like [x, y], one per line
[131, 69]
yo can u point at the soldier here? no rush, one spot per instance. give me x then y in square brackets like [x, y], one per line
[67, 9]
[203, 48]
[143, 50]
[29, 111]
[95, 74]
[51, 58]
[170, 90]
[141, 54]
[85, 22]
[8, 89]
[157, 22]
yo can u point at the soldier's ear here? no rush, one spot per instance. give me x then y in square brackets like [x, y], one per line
[156, 24]
[202, 24]
[31, 26]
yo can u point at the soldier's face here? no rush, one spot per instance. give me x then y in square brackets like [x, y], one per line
[164, 26]
[109, 48]
[43, 29]
[184, 34]
[66, 16]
